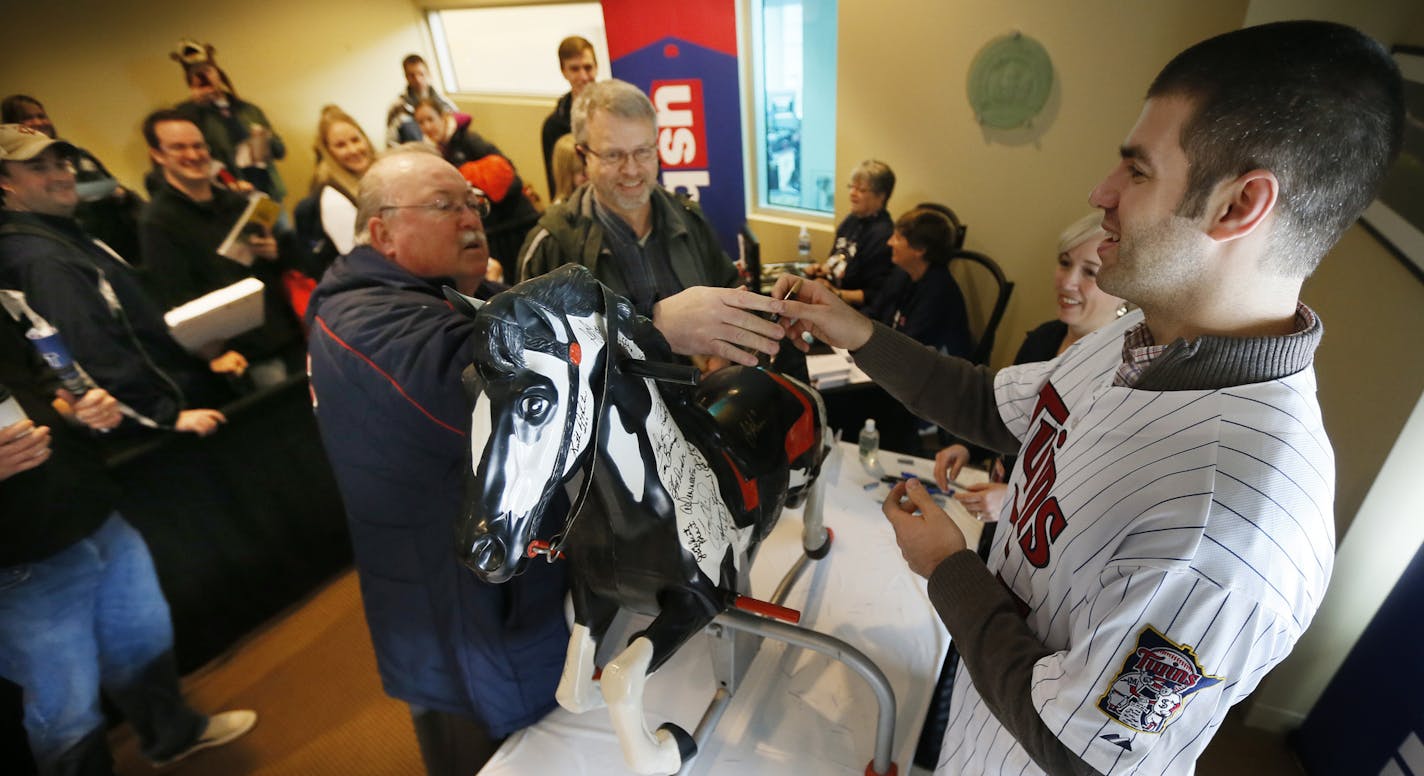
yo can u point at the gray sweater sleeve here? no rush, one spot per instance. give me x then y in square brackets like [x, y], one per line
[1000, 651]
[949, 391]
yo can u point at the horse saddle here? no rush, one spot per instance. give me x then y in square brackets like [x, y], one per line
[752, 415]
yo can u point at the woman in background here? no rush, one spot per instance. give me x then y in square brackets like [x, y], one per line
[859, 265]
[343, 154]
[921, 298]
[1082, 309]
[512, 214]
[568, 169]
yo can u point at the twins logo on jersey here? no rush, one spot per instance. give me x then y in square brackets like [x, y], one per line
[1036, 517]
[1157, 679]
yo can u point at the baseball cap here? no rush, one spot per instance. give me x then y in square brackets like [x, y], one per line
[20, 143]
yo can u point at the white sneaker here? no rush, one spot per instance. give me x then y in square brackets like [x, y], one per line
[222, 728]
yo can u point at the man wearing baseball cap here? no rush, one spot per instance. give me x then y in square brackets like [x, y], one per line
[91, 295]
[80, 603]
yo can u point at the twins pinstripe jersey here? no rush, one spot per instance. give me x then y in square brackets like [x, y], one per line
[1170, 546]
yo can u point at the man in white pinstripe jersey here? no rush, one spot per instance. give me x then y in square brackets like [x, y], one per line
[1170, 532]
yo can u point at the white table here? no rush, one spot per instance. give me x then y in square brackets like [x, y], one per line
[797, 712]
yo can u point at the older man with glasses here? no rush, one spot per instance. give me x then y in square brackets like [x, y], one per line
[475, 662]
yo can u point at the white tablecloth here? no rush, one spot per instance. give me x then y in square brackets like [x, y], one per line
[797, 712]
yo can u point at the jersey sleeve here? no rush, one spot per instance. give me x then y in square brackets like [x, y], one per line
[1157, 657]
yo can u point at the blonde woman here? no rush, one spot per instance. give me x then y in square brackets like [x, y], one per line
[1083, 308]
[568, 169]
[343, 154]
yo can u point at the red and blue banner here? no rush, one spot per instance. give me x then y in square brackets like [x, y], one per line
[684, 56]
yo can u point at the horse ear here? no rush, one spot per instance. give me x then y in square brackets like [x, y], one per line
[463, 304]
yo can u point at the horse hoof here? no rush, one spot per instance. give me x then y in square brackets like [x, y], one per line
[686, 744]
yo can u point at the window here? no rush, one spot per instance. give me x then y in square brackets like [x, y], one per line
[512, 49]
[794, 77]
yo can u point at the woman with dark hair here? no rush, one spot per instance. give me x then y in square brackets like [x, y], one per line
[921, 298]
[511, 215]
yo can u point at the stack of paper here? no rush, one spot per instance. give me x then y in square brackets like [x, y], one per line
[220, 315]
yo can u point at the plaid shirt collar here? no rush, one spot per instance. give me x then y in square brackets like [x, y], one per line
[1139, 350]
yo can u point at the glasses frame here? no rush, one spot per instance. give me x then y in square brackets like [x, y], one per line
[617, 159]
[477, 204]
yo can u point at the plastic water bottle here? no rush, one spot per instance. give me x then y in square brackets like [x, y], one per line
[803, 245]
[55, 353]
[870, 447]
[10, 410]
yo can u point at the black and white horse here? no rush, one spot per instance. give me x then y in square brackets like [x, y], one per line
[658, 493]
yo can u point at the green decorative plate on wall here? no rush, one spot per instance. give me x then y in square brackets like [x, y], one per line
[1009, 81]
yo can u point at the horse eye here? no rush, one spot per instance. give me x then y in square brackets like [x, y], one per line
[534, 408]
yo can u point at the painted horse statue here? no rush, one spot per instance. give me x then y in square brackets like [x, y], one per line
[657, 492]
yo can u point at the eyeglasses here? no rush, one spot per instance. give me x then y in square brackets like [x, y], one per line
[476, 203]
[640, 155]
[860, 187]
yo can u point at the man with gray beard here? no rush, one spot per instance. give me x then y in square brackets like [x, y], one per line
[475, 661]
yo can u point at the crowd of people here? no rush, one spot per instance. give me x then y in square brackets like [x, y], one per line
[1208, 227]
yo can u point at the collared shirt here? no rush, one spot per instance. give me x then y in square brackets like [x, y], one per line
[644, 262]
[1139, 349]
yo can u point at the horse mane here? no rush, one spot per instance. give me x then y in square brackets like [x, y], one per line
[509, 324]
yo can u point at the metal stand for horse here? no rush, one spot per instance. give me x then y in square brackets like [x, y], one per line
[737, 634]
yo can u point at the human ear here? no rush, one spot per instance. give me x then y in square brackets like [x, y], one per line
[380, 235]
[1243, 204]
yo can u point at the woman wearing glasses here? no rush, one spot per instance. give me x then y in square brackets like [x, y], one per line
[512, 213]
[859, 264]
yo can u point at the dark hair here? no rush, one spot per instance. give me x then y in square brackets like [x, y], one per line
[572, 46]
[1319, 105]
[413, 59]
[929, 231]
[11, 107]
[431, 102]
[150, 124]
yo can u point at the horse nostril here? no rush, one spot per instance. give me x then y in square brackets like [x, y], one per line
[487, 554]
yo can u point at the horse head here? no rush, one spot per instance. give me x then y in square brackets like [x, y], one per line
[537, 382]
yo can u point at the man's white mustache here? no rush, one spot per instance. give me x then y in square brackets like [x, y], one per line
[474, 238]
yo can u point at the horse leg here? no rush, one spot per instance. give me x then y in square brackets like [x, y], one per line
[577, 691]
[625, 677]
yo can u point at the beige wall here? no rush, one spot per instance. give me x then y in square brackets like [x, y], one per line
[902, 98]
[101, 66]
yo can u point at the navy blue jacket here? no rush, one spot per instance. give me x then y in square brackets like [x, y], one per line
[865, 242]
[386, 355]
[931, 310]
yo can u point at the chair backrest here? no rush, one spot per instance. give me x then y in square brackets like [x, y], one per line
[959, 228]
[986, 295]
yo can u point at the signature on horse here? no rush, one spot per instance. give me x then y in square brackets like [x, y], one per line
[585, 430]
